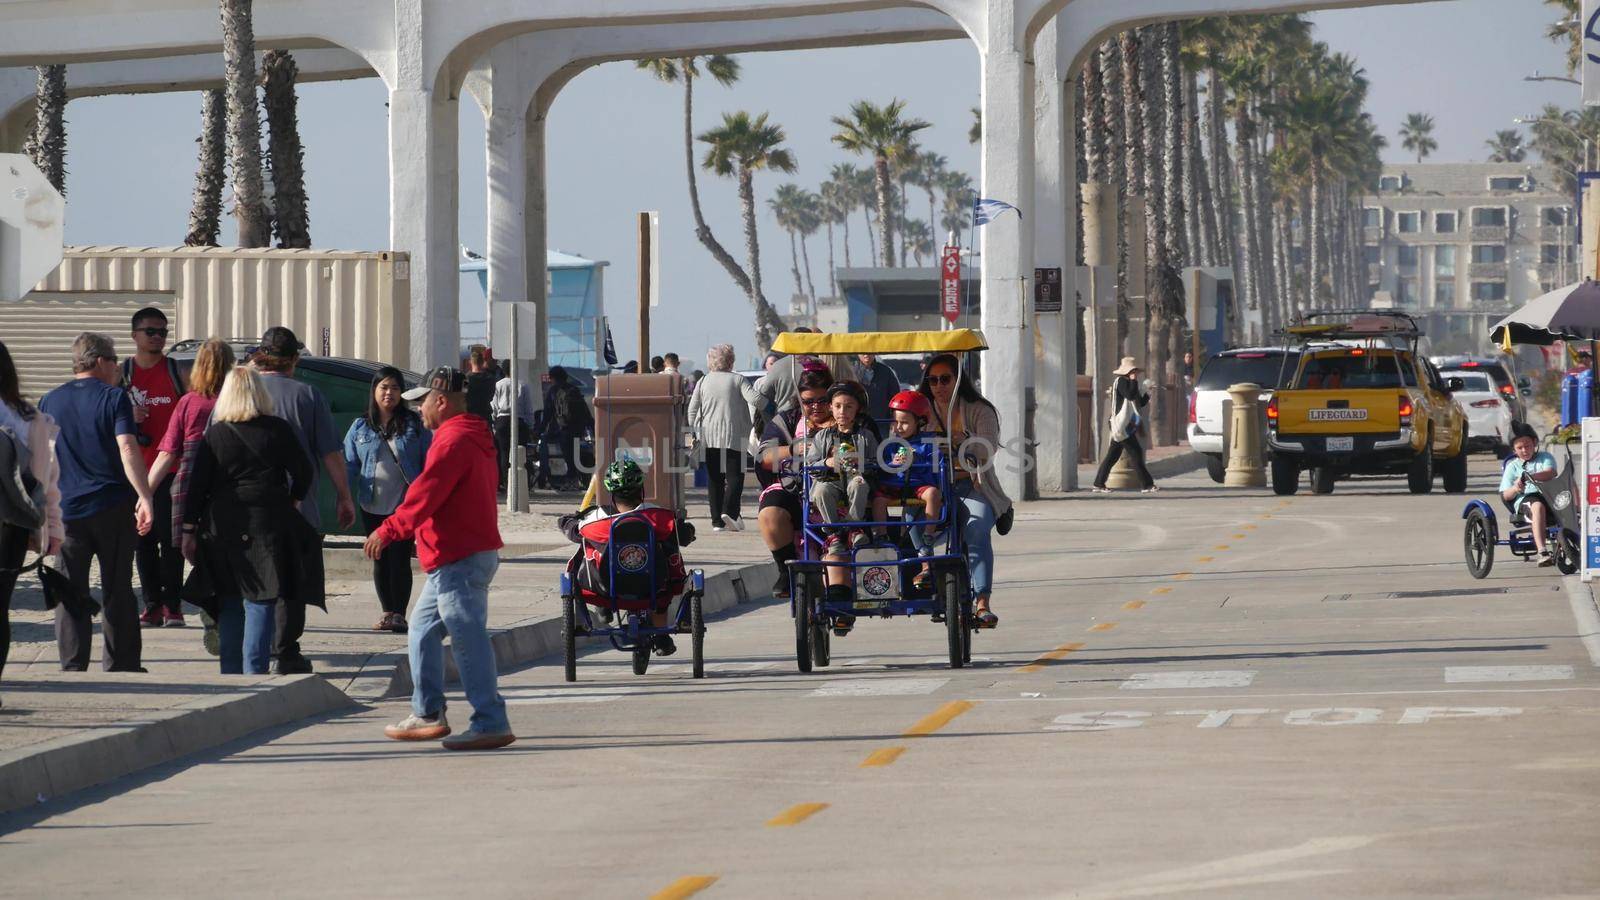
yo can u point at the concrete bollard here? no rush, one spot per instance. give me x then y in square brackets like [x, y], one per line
[1244, 439]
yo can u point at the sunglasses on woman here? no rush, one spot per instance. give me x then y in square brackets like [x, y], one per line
[941, 380]
[814, 401]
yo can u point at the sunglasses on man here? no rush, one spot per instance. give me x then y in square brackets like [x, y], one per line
[152, 332]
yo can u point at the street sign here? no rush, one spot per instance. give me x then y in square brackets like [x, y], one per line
[525, 344]
[950, 283]
[32, 216]
[1047, 290]
[1591, 52]
[1591, 508]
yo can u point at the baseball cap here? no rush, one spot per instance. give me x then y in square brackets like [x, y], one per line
[280, 342]
[445, 378]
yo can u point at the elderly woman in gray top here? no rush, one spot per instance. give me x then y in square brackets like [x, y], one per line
[720, 417]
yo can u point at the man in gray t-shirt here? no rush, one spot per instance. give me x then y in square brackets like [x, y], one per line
[307, 412]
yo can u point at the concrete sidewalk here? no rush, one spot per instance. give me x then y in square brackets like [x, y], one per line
[63, 731]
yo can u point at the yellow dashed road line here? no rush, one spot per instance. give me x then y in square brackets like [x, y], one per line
[687, 886]
[939, 718]
[1133, 604]
[1161, 590]
[1053, 655]
[882, 757]
[1204, 559]
[1103, 626]
[796, 814]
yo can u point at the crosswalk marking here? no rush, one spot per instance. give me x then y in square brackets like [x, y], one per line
[1155, 681]
[1475, 674]
[531, 696]
[880, 687]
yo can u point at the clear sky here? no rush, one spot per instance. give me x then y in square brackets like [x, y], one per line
[615, 149]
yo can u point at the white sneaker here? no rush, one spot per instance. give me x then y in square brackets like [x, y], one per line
[734, 523]
[418, 728]
[717, 529]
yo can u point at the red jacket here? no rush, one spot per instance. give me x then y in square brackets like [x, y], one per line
[451, 507]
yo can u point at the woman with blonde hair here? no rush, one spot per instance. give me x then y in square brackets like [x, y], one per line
[249, 474]
[185, 430]
[720, 416]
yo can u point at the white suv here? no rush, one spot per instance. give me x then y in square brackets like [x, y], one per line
[1266, 366]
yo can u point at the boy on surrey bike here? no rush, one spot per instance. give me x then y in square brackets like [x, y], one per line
[846, 447]
[911, 471]
[1519, 484]
[625, 482]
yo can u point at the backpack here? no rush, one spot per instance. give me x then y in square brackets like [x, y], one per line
[571, 410]
[21, 495]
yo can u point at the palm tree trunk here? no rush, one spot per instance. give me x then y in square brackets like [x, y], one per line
[933, 219]
[1133, 168]
[794, 262]
[1317, 236]
[880, 168]
[767, 319]
[211, 176]
[46, 146]
[1192, 173]
[1249, 277]
[1282, 266]
[291, 212]
[904, 208]
[702, 231]
[244, 123]
[845, 221]
[833, 283]
[872, 236]
[805, 261]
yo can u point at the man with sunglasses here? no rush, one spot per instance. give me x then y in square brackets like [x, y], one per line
[154, 383]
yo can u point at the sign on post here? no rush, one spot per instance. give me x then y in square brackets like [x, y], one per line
[950, 283]
[1047, 290]
[1591, 497]
[527, 339]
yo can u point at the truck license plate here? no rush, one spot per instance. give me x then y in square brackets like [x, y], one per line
[1341, 443]
[1337, 415]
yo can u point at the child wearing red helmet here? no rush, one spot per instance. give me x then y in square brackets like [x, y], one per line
[911, 470]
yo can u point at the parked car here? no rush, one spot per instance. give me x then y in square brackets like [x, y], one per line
[347, 383]
[1266, 366]
[1505, 381]
[1489, 411]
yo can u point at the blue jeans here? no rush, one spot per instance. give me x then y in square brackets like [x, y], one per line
[977, 534]
[244, 635]
[455, 600]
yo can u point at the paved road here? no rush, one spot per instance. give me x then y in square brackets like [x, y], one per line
[1196, 693]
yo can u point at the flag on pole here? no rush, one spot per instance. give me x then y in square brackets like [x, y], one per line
[986, 211]
[610, 348]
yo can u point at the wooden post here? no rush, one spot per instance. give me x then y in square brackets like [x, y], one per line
[644, 292]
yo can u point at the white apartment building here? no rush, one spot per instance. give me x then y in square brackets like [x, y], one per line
[1461, 244]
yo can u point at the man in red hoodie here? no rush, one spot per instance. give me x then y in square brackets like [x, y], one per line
[450, 511]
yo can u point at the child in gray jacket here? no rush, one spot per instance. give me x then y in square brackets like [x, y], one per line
[849, 448]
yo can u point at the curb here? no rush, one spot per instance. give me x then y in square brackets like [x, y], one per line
[388, 675]
[39, 772]
[1586, 613]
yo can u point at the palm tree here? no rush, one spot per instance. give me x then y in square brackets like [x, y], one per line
[725, 71]
[244, 123]
[211, 176]
[1568, 31]
[836, 203]
[975, 131]
[810, 221]
[864, 190]
[1506, 147]
[787, 206]
[956, 211]
[932, 169]
[881, 132]
[738, 148]
[919, 237]
[1416, 135]
[46, 144]
[291, 214]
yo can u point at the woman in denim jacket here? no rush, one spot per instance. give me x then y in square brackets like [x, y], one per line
[384, 451]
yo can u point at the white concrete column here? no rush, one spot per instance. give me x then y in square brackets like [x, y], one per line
[536, 237]
[1007, 243]
[1055, 197]
[423, 129]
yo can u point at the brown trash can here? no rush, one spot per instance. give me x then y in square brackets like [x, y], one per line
[646, 415]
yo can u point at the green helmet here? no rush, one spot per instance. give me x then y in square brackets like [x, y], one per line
[625, 477]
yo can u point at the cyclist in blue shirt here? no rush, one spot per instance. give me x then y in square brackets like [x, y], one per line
[1524, 471]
